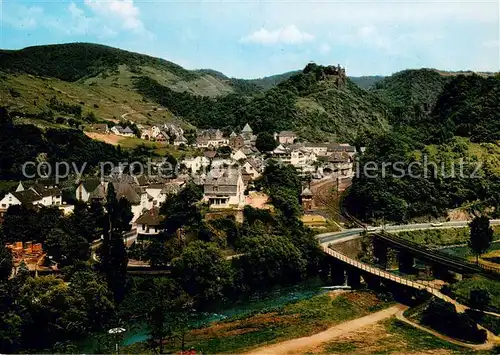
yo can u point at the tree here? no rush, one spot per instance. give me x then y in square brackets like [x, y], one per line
[265, 142]
[481, 235]
[270, 259]
[11, 322]
[114, 260]
[182, 209]
[20, 224]
[53, 312]
[112, 252]
[67, 249]
[6, 263]
[84, 222]
[163, 297]
[202, 270]
[479, 299]
[98, 298]
[224, 151]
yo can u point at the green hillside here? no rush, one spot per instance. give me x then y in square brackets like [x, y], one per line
[97, 80]
[410, 93]
[367, 81]
[468, 107]
[307, 102]
[269, 82]
[459, 138]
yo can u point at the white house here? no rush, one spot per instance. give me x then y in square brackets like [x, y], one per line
[122, 131]
[224, 188]
[286, 137]
[149, 223]
[252, 169]
[238, 155]
[86, 187]
[36, 195]
[196, 164]
[320, 149]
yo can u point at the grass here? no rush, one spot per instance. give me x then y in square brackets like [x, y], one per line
[302, 318]
[390, 336]
[461, 289]
[161, 149]
[437, 237]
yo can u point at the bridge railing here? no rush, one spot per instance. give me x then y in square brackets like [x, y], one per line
[436, 253]
[420, 285]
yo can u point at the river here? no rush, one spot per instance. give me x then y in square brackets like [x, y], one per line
[257, 302]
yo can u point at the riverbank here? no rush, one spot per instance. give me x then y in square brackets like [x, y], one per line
[294, 320]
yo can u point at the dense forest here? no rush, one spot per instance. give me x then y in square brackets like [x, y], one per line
[461, 129]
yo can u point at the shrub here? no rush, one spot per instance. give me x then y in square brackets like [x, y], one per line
[443, 317]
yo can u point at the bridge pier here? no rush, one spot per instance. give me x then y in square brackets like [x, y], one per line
[372, 281]
[406, 262]
[380, 250]
[353, 277]
[337, 272]
[441, 272]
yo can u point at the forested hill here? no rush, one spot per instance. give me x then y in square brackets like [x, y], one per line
[469, 106]
[410, 93]
[311, 102]
[95, 64]
[268, 82]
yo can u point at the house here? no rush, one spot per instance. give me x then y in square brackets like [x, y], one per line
[36, 195]
[238, 155]
[286, 137]
[211, 138]
[247, 132]
[341, 163]
[320, 149]
[167, 190]
[342, 147]
[236, 141]
[180, 140]
[209, 154]
[162, 137]
[252, 168]
[149, 223]
[26, 197]
[250, 150]
[202, 141]
[127, 132]
[196, 164]
[101, 128]
[122, 131]
[150, 133]
[306, 197]
[224, 188]
[86, 187]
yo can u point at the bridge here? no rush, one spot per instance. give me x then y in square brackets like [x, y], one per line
[354, 268]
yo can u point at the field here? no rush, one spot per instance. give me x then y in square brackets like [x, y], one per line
[387, 337]
[294, 320]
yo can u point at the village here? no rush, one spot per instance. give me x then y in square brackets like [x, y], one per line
[226, 174]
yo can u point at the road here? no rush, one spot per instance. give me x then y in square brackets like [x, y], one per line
[336, 237]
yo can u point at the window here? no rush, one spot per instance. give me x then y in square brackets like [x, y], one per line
[4, 205]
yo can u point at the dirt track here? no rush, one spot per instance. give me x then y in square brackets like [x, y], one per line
[302, 345]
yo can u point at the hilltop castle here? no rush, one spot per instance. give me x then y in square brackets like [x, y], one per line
[330, 73]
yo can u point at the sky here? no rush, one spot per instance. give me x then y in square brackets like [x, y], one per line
[251, 39]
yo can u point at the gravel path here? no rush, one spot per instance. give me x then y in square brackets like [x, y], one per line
[301, 345]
